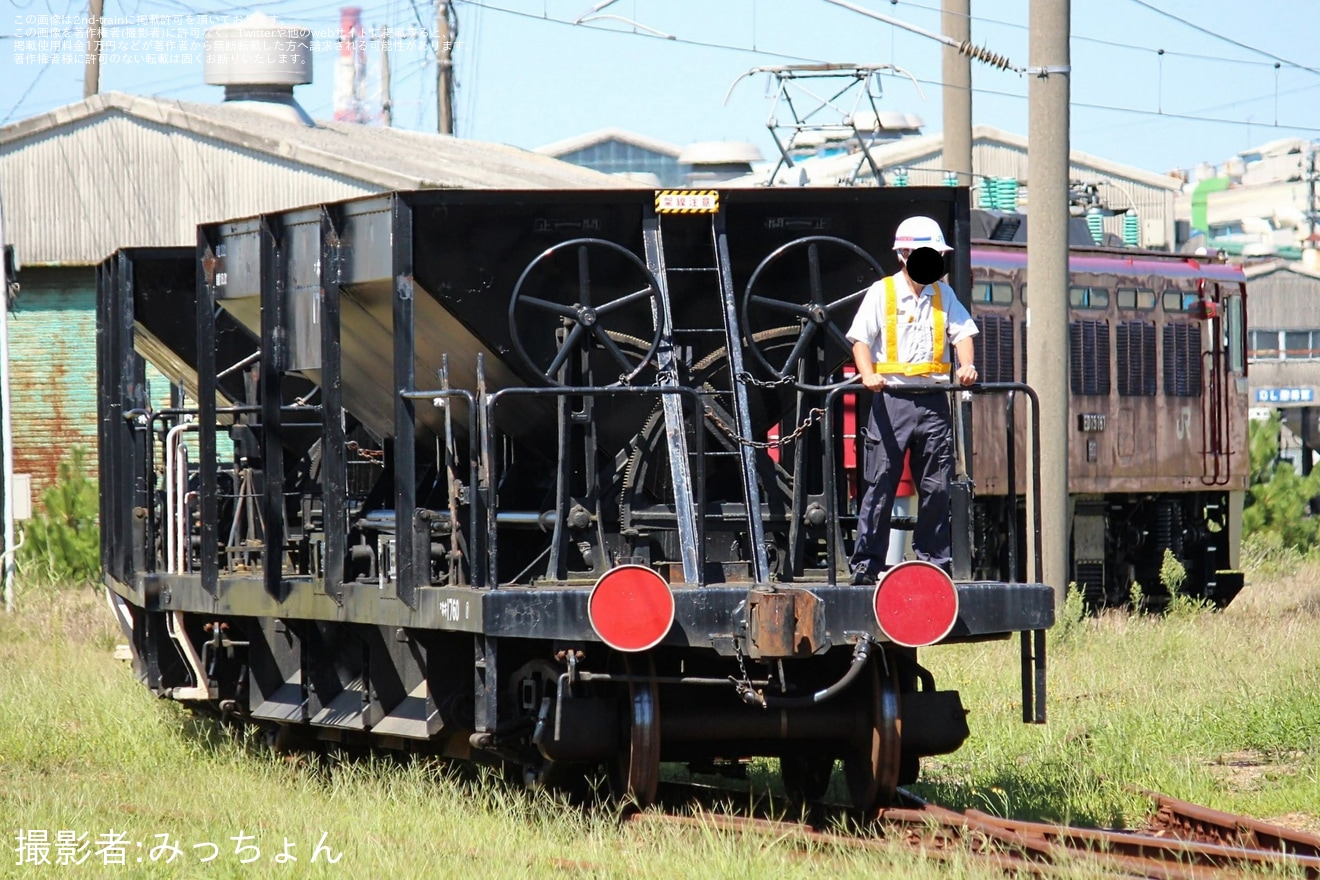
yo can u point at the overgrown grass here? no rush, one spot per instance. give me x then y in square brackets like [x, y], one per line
[1216, 708]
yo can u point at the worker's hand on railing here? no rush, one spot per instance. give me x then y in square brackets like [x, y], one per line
[966, 375]
[873, 381]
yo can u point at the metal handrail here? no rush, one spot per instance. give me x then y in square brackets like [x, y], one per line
[492, 399]
[912, 390]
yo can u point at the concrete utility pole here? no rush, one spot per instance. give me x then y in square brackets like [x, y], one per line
[444, 70]
[1311, 206]
[386, 102]
[956, 23]
[1047, 268]
[92, 68]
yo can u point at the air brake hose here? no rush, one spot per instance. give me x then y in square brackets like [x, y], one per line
[754, 697]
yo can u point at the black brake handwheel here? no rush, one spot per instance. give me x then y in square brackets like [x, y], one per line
[817, 318]
[582, 319]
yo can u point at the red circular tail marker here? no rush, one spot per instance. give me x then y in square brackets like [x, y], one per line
[916, 604]
[631, 608]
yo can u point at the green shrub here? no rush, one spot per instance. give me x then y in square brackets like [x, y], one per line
[1278, 499]
[1172, 572]
[1069, 618]
[1137, 595]
[62, 544]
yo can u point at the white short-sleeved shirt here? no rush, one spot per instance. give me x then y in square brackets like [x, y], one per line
[915, 326]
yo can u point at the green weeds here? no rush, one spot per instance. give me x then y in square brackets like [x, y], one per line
[62, 543]
[1215, 708]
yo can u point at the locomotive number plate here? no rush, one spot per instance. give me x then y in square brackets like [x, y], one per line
[1090, 423]
[687, 201]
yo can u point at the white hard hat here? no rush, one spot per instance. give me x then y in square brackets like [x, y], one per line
[916, 232]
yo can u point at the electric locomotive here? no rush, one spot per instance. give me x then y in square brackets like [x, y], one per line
[1157, 457]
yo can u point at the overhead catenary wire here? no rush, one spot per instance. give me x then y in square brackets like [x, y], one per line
[964, 47]
[23, 97]
[1142, 115]
[1227, 39]
[517, 13]
[32, 85]
[1100, 41]
[930, 82]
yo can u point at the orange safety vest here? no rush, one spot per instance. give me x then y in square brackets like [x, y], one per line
[894, 365]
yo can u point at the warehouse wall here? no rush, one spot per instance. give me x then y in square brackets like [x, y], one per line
[53, 371]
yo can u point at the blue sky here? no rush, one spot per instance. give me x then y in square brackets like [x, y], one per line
[527, 76]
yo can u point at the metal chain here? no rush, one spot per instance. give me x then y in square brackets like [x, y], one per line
[746, 684]
[812, 417]
[748, 379]
[375, 456]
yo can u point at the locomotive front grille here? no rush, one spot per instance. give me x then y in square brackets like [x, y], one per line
[1182, 359]
[1135, 342]
[994, 347]
[1089, 357]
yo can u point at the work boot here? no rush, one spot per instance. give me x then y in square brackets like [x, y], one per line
[863, 575]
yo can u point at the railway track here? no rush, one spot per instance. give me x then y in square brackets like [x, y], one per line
[1178, 841]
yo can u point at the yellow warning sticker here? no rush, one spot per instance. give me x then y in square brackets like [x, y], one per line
[687, 201]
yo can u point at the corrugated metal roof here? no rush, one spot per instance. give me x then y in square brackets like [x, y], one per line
[925, 151]
[601, 135]
[120, 170]
[1269, 267]
[1284, 295]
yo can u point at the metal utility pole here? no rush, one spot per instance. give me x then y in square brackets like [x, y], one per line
[956, 23]
[444, 70]
[386, 102]
[1047, 267]
[92, 68]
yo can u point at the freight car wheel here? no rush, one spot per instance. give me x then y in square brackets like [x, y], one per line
[533, 318]
[819, 320]
[635, 774]
[873, 761]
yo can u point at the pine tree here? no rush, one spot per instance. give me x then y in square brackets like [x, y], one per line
[1279, 498]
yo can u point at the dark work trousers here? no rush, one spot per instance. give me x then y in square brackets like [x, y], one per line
[920, 423]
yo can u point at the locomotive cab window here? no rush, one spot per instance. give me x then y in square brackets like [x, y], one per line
[1088, 297]
[1135, 298]
[997, 293]
[1178, 300]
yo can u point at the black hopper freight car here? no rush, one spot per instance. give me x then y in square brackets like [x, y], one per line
[486, 474]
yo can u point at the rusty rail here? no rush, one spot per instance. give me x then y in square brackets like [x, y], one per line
[1180, 840]
[1183, 819]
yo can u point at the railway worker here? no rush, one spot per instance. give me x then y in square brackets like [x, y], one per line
[901, 336]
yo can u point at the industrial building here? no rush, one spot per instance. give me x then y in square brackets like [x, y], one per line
[119, 170]
[647, 160]
[1260, 203]
[1284, 348]
[1131, 205]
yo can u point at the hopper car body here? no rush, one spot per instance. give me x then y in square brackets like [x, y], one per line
[486, 474]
